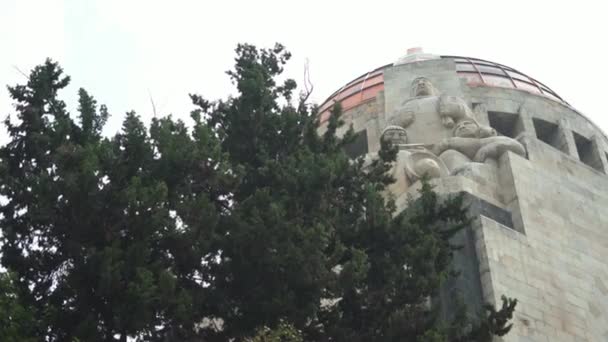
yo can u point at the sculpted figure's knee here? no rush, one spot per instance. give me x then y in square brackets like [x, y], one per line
[454, 159]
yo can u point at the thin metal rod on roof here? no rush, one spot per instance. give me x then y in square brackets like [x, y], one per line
[475, 67]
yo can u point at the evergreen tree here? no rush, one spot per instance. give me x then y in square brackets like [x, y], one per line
[310, 238]
[247, 220]
[282, 333]
[108, 238]
[16, 320]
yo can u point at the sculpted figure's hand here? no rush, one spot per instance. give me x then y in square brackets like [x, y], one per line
[453, 109]
[402, 117]
[485, 152]
[494, 147]
[447, 121]
[440, 147]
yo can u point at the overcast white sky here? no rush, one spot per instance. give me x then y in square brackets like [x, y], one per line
[122, 51]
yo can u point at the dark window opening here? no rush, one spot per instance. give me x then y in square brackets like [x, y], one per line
[549, 133]
[586, 152]
[358, 146]
[505, 124]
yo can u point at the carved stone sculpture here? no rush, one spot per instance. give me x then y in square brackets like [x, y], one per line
[473, 143]
[394, 135]
[420, 162]
[429, 111]
[421, 89]
[413, 161]
[453, 109]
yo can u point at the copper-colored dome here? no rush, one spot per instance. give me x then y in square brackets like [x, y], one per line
[476, 72]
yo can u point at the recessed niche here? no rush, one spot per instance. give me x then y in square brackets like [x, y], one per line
[478, 206]
[586, 152]
[549, 133]
[506, 124]
[358, 146]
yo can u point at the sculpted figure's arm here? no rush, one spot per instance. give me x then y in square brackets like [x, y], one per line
[402, 117]
[467, 146]
[494, 147]
[452, 109]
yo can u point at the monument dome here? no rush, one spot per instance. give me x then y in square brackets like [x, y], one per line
[533, 170]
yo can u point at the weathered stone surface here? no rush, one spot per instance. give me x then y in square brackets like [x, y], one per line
[541, 225]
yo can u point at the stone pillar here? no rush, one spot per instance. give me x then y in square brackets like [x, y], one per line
[600, 162]
[565, 139]
[524, 124]
[480, 111]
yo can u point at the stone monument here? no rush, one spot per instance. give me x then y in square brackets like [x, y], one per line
[533, 170]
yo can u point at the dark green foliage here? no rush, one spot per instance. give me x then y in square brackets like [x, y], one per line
[398, 265]
[107, 237]
[309, 226]
[249, 219]
[496, 323]
[16, 320]
[282, 333]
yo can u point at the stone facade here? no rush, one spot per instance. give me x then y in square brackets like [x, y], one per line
[540, 231]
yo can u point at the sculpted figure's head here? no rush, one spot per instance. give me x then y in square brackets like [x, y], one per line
[467, 129]
[394, 135]
[421, 86]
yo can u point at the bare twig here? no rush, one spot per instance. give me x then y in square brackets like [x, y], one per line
[308, 86]
[21, 72]
[152, 102]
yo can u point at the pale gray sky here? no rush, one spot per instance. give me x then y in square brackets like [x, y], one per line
[122, 51]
